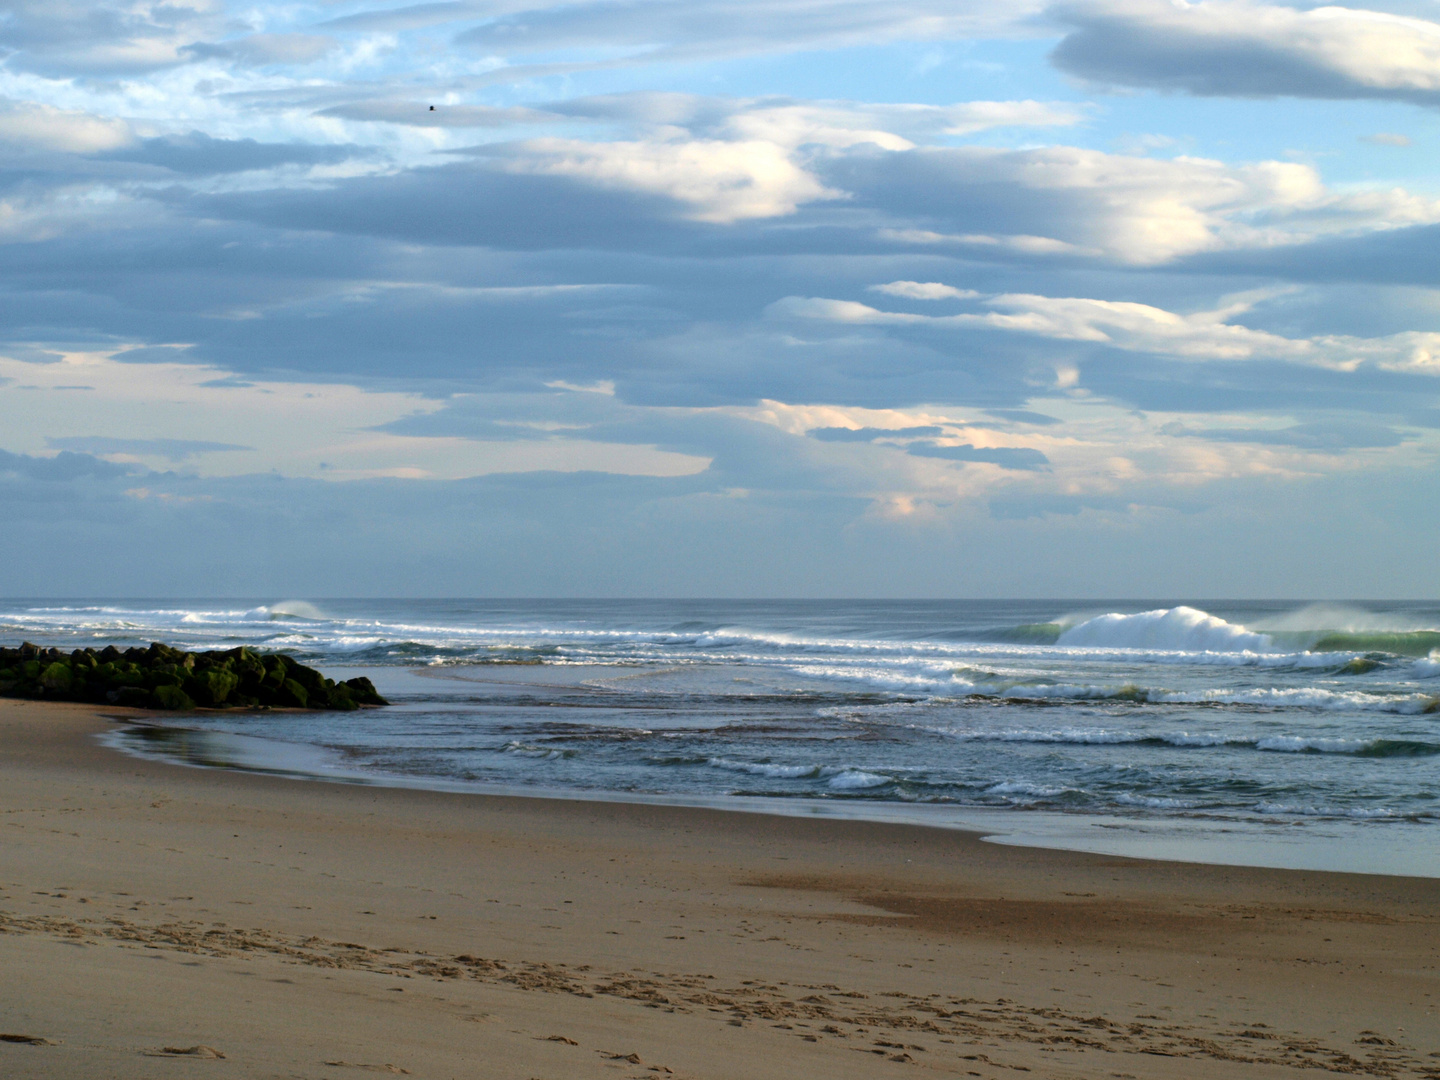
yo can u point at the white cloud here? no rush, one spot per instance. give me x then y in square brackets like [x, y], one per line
[84, 37]
[1099, 450]
[735, 159]
[924, 290]
[730, 160]
[798, 418]
[1077, 202]
[1199, 336]
[1020, 244]
[719, 182]
[32, 125]
[794, 123]
[1244, 48]
[890, 127]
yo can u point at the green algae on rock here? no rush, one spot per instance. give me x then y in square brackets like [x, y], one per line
[162, 677]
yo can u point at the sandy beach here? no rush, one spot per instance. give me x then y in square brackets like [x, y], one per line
[163, 921]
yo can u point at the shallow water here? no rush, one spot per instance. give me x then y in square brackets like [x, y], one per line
[1162, 721]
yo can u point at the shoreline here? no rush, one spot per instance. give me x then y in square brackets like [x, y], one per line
[1322, 844]
[323, 929]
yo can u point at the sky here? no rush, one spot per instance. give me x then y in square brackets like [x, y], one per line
[793, 298]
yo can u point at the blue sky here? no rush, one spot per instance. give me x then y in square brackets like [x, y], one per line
[719, 297]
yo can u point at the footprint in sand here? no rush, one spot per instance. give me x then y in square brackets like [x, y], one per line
[28, 1040]
[207, 1052]
[369, 1068]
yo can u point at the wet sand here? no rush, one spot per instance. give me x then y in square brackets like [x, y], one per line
[160, 921]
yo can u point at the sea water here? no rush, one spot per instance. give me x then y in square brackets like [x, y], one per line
[1269, 733]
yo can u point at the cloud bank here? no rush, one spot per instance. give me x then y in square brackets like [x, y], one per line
[1238, 47]
[456, 294]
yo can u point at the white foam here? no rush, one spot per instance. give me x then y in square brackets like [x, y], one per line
[543, 752]
[1185, 738]
[779, 772]
[1305, 697]
[1152, 802]
[1429, 668]
[297, 609]
[1179, 629]
[1338, 618]
[1021, 787]
[1076, 736]
[1300, 744]
[854, 779]
[355, 643]
[940, 678]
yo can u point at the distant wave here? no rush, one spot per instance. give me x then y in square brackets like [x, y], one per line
[1032, 633]
[297, 609]
[1399, 643]
[1190, 630]
[1180, 629]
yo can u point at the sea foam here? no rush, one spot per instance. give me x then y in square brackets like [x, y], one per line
[1178, 629]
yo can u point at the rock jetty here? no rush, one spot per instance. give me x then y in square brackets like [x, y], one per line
[161, 677]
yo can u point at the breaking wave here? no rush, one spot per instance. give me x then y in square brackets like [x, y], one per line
[1190, 630]
[1178, 629]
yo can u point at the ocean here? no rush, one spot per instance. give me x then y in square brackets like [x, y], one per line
[1249, 732]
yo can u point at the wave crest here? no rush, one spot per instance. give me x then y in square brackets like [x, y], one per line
[1179, 629]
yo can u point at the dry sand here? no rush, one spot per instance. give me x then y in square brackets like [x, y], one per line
[158, 921]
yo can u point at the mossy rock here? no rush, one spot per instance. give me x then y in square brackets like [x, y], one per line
[307, 677]
[211, 686]
[292, 695]
[171, 697]
[342, 699]
[164, 677]
[58, 678]
[363, 692]
[275, 674]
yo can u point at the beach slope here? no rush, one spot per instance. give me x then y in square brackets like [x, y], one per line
[162, 921]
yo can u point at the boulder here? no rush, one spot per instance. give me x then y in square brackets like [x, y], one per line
[276, 672]
[58, 678]
[211, 686]
[292, 695]
[363, 692]
[170, 697]
[341, 698]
